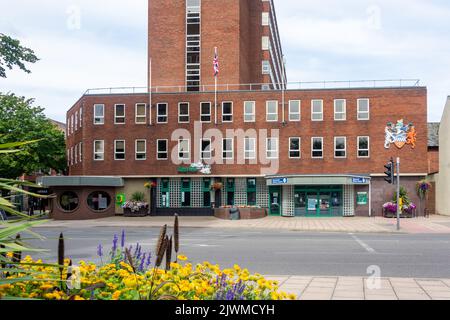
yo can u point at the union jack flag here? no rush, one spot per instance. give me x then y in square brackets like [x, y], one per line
[216, 64]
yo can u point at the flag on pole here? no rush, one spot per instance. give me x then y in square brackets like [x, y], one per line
[216, 63]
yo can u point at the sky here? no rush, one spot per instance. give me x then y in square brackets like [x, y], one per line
[86, 44]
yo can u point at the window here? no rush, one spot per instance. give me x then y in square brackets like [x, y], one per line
[294, 110]
[340, 147]
[69, 201]
[183, 112]
[71, 156]
[265, 43]
[141, 113]
[119, 114]
[162, 113]
[249, 111]
[230, 191]
[162, 150]
[272, 148]
[317, 110]
[99, 114]
[141, 149]
[72, 124]
[165, 193]
[205, 112]
[363, 109]
[250, 148]
[99, 201]
[265, 18]
[183, 149]
[206, 152]
[227, 149]
[76, 121]
[266, 67]
[193, 45]
[317, 147]
[119, 150]
[294, 148]
[340, 109]
[251, 192]
[81, 117]
[68, 126]
[363, 147]
[272, 111]
[76, 154]
[227, 111]
[186, 192]
[206, 193]
[80, 149]
[99, 150]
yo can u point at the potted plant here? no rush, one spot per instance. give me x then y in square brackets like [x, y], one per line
[217, 186]
[422, 188]
[136, 207]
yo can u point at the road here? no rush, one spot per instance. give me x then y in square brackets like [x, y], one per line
[278, 252]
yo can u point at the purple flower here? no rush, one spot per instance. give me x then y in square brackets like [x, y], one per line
[114, 247]
[100, 250]
[141, 266]
[149, 260]
[122, 240]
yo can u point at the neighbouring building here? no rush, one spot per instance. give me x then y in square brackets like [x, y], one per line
[443, 178]
[305, 151]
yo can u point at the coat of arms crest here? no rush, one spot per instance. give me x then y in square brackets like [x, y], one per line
[400, 134]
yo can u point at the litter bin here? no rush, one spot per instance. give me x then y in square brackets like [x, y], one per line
[235, 214]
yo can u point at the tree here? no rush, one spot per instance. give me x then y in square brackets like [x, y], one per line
[21, 121]
[13, 54]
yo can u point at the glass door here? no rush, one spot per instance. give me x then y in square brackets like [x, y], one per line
[312, 203]
[275, 200]
[324, 204]
[300, 203]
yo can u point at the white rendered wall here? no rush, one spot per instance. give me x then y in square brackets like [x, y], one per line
[443, 182]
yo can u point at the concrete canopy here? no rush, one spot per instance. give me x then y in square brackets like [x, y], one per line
[63, 181]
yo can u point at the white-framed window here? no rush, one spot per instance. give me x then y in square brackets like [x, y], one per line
[363, 147]
[99, 150]
[119, 114]
[71, 156]
[317, 110]
[72, 124]
[184, 149]
[363, 109]
[295, 110]
[272, 148]
[317, 147]
[68, 157]
[340, 147]
[205, 112]
[340, 109]
[119, 150]
[81, 117]
[265, 42]
[228, 149]
[266, 68]
[249, 111]
[249, 148]
[141, 149]
[272, 111]
[183, 112]
[80, 150]
[295, 148]
[76, 154]
[141, 113]
[99, 114]
[265, 18]
[76, 121]
[162, 147]
[227, 111]
[162, 113]
[206, 149]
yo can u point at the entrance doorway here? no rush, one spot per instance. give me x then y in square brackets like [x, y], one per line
[318, 201]
[275, 201]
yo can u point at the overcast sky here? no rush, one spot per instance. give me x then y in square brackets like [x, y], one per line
[89, 44]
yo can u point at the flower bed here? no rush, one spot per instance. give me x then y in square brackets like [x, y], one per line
[135, 209]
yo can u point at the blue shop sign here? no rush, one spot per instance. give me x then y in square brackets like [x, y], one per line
[359, 180]
[278, 181]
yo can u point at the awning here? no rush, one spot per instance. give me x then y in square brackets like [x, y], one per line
[308, 180]
[63, 181]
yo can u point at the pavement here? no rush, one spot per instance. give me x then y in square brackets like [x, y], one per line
[432, 225]
[360, 288]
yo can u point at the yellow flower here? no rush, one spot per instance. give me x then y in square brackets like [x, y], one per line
[9, 255]
[292, 297]
[78, 298]
[116, 295]
[182, 257]
[130, 282]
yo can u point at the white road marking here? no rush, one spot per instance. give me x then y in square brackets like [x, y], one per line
[362, 243]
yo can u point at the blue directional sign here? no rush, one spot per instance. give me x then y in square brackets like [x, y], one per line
[279, 181]
[359, 180]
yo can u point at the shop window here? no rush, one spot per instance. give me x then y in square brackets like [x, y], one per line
[317, 110]
[141, 113]
[363, 147]
[165, 193]
[186, 192]
[227, 112]
[294, 110]
[119, 114]
[317, 147]
[205, 109]
[340, 147]
[99, 201]
[340, 109]
[294, 148]
[69, 201]
[249, 111]
[162, 112]
[230, 191]
[251, 192]
[207, 193]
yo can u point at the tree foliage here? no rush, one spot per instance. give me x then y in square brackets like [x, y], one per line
[21, 121]
[12, 53]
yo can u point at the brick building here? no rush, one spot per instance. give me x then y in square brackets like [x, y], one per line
[295, 152]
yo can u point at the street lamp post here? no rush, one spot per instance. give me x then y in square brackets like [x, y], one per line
[399, 209]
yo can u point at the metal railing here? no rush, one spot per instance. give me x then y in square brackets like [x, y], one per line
[308, 85]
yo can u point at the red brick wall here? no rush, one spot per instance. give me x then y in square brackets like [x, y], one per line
[387, 105]
[433, 160]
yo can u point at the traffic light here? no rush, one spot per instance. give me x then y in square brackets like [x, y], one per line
[390, 172]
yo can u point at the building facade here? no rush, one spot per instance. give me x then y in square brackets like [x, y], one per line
[251, 143]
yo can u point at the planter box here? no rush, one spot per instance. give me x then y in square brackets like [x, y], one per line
[141, 213]
[388, 214]
[245, 213]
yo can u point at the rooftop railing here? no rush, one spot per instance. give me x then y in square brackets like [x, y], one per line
[308, 85]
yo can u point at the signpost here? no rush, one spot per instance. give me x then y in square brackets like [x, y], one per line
[399, 208]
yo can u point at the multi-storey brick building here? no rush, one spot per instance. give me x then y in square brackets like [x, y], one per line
[295, 152]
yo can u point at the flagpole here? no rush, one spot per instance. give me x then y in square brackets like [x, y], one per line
[215, 92]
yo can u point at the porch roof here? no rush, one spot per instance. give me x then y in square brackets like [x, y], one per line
[74, 181]
[306, 180]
